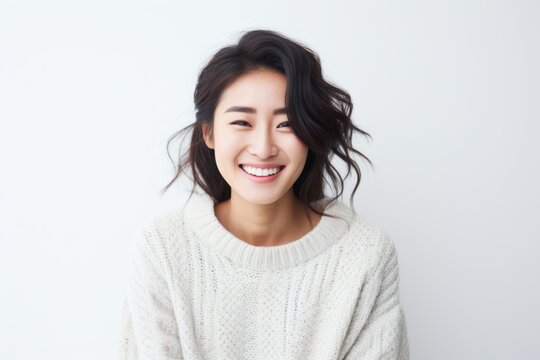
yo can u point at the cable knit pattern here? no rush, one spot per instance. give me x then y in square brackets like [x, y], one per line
[196, 291]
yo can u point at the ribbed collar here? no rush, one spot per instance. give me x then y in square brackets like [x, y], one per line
[200, 214]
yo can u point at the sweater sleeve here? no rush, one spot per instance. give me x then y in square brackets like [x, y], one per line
[384, 333]
[148, 327]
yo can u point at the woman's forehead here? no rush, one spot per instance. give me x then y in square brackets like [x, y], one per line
[257, 83]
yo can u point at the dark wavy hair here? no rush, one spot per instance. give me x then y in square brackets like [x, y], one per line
[318, 112]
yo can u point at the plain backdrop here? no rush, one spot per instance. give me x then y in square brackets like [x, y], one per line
[90, 92]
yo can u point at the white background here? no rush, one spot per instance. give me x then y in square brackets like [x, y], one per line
[449, 90]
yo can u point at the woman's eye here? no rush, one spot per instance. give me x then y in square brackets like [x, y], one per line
[286, 123]
[239, 122]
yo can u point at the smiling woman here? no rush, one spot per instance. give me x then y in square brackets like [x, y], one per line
[264, 264]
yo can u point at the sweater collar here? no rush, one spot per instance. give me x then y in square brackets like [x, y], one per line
[201, 215]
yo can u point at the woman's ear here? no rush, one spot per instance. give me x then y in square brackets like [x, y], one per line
[207, 136]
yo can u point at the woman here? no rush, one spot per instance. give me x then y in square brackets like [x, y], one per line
[264, 265]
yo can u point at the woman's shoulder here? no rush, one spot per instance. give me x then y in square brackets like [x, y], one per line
[161, 231]
[369, 240]
[362, 234]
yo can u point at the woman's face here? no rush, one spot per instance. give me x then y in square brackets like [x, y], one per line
[251, 128]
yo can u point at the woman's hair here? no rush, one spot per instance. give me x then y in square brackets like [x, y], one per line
[318, 112]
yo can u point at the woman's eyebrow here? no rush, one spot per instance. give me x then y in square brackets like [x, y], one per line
[250, 110]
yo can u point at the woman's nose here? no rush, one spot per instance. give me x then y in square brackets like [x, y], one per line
[262, 144]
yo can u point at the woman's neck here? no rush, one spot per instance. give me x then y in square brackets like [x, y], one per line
[273, 224]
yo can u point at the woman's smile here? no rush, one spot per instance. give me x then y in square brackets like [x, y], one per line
[260, 174]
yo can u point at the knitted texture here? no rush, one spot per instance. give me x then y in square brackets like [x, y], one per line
[195, 291]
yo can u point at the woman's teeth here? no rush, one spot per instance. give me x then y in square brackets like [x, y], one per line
[261, 172]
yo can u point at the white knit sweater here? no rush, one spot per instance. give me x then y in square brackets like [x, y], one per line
[195, 291]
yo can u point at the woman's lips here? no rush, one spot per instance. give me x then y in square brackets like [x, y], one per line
[263, 179]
